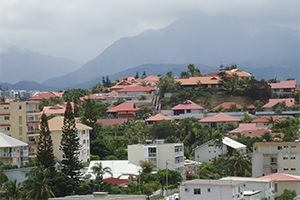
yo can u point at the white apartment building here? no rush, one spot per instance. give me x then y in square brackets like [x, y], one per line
[162, 155]
[256, 187]
[207, 189]
[207, 151]
[273, 157]
[83, 131]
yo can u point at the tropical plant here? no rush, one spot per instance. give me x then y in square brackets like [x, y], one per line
[99, 171]
[36, 185]
[11, 190]
[147, 166]
[238, 164]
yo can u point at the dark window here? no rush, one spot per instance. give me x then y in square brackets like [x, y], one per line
[208, 190]
[279, 147]
[285, 147]
[188, 111]
[197, 191]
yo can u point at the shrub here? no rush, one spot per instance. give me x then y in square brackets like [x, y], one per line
[141, 98]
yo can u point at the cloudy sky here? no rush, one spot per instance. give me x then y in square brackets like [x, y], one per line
[81, 29]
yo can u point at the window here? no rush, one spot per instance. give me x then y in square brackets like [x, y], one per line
[279, 147]
[285, 158]
[208, 190]
[20, 107]
[293, 146]
[285, 169]
[276, 187]
[6, 107]
[209, 152]
[83, 141]
[197, 191]
[214, 151]
[285, 147]
[211, 145]
[188, 111]
[152, 151]
[293, 158]
[293, 169]
[4, 128]
[6, 117]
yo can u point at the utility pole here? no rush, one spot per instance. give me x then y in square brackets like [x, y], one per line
[140, 181]
[167, 177]
[198, 167]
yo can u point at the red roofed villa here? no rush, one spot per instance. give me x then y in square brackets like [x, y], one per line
[271, 105]
[155, 118]
[187, 107]
[226, 105]
[56, 110]
[117, 182]
[284, 87]
[264, 121]
[45, 95]
[218, 120]
[135, 92]
[111, 122]
[127, 109]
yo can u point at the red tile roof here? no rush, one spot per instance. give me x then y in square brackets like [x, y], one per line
[247, 127]
[42, 95]
[251, 107]
[158, 117]
[226, 105]
[126, 106]
[205, 80]
[126, 115]
[266, 119]
[281, 177]
[187, 105]
[258, 133]
[137, 89]
[272, 102]
[284, 84]
[116, 181]
[110, 122]
[221, 117]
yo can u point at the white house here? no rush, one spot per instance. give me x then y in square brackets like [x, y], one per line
[207, 151]
[207, 189]
[162, 155]
[255, 187]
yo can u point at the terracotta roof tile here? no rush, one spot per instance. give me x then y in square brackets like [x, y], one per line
[220, 117]
[226, 105]
[126, 106]
[187, 105]
[116, 181]
[42, 95]
[266, 119]
[247, 127]
[137, 89]
[251, 107]
[281, 177]
[205, 80]
[158, 117]
[272, 102]
[284, 84]
[126, 115]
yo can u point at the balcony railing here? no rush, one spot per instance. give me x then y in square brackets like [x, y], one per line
[31, 142]
[6, 154]
[32, 153]
[273, 163]
[33, 132]
[151, 155]
[13, 154]
[24, 153]
[33, 111]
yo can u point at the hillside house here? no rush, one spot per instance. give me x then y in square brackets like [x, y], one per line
[126, 109]
[207, 151]
[133, 93]
[228, 105]
[187, 107]
[273, 103]
[266, 121]
[218, 120]
[287, 87]
[159, 117]
[56, 110]
[213, 82]
[111, 122]
[45, 95]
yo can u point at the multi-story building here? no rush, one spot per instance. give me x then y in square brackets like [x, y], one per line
[83, 131]
[20, 120]
[162, 155]
[273, 157]
[13, 151]
[212, 189]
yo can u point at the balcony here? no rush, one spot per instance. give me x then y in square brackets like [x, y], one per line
[32, 153]
[32, 143]
[5, 154]
[32, 132]
[13, 154]
[33, 111]
[152, 155]
[33, 122]
[24, 153]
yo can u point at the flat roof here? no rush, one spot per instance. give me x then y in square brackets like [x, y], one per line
[213, 182]
[248, 179]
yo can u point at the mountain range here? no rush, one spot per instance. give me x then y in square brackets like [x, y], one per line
[265, 50]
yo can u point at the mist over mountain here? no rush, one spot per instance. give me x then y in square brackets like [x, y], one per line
[18, 64]
[199, 39]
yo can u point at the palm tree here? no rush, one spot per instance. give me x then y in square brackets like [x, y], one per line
[36, 185]
[12, 190]
[99, 170]
[238, 164]
[3, 177]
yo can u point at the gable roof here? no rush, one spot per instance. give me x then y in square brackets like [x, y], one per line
[272, 102]
[238, 72]
[187, 105]
[246, 127]
[116, 181]
[284, 84]
[158, 117]
[42, 95]
[259, 133]
[8, 141]
[126, 106]
[227, 141]
[205, 80]
[57, 109]
[110, 122]
[226, 105]
[56, 124]
[220, 117]
[281, 177]
[266, 119]
[251, 107]
[137, 89]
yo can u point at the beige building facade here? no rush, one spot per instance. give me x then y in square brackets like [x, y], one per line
[162, 155]
[83, 133]
[273, 157]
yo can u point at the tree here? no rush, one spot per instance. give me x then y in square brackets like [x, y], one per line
[137, 75]
[70, 145]
[97, 88]
[238, 164]
[287, 195]
[147, 166]
[259, 105]
[45, 145]
[273, 80]
[144, 75]
[12, 190]
[246, 119]
[258, 89]
[2, 99]
[36, 185]
[266, 136]
[193, 71]
[99, 170]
